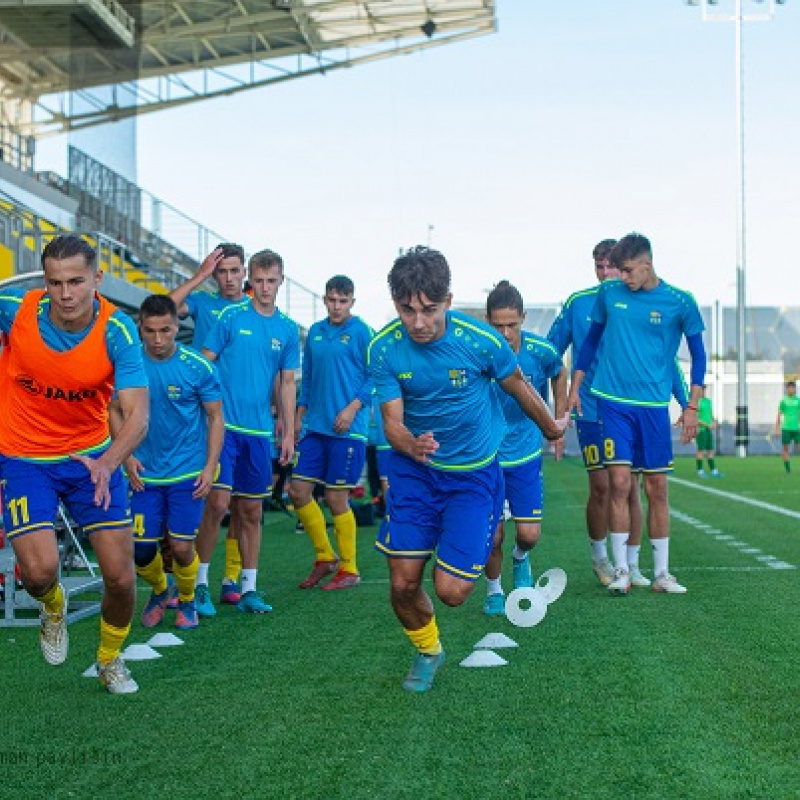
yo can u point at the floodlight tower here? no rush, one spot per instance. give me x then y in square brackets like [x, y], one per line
[712, 12]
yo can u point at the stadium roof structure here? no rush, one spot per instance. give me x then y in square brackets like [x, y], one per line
[158, 54]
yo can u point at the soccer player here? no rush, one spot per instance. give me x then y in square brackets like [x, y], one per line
[172, 470]
[66, 349]
[333, 412]
[520, 453]
[225, 265]
[641, 319]
[251, 343]
[705, 437]
[787, 423]
[434, 373]
[570, 329]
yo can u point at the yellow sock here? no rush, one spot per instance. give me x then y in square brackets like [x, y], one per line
[154, 574]
[111, 641]
[53, 600]
[344, 526]
[314, 523]
[426, 639]
[233, 559]
[185, 577]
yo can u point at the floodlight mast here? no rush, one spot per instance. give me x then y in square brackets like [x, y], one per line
[738, 17]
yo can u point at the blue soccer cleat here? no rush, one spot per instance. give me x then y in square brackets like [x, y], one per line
[522, 573]
[422, 672]
[186, 618]
[230, 592]
[495, 605]
[202, 601]
[153, 612]
[252, 603]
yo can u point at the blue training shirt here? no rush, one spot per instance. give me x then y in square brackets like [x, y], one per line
[642, 333]
[122, 339]
[539, 360]
[334, 374]
[176, 442]
[446, 387]
[376, 435]
[204, 309]
[251, 350]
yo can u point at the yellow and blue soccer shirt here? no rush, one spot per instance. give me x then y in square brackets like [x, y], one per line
[251, 350]
[570, 328]
[642, 333]
[204, 309]
[175, 446]
[539, 360]
[447, 387]
[376, 435]
[334, 374]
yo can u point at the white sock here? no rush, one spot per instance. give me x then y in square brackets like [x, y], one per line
[517, 554]
[493, 586]
[633, 556]
[202, 574]
[618, 550]
[249, 580]
[599, 551]
[660, 555]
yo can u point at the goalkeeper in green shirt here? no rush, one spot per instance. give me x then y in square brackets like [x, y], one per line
[705, 438]
[789, 429]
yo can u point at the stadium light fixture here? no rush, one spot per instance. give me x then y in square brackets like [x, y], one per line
[739, 17]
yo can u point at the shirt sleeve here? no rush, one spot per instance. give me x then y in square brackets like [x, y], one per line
[125, 353]
[10, 301]
[209, 389]
[305, 380]
[290, 357]
[219, 335]
[387, 387]
[365, 390]
[560, 333]
[192, 304]
[502, 362]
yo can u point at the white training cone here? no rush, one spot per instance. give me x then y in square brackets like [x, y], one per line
[139, 652]
[164, 640]
[483, 658]
[526, 607]
[91, 672]
[551, 584]
[495, 641]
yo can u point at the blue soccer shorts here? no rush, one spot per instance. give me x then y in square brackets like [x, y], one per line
[525, 490]
[166, 506]
[383, 454]
[453, 514]
[32, 491]
[336, 462]
[590, 439]
[245, 465]
[637, 436]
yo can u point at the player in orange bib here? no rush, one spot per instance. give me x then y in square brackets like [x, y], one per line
[65, 350]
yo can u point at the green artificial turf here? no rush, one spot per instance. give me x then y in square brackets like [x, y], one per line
[645, 696]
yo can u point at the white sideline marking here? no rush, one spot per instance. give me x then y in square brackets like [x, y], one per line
[787, 512]
[770, 562]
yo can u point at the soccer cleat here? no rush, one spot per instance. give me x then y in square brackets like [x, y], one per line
[420, 676]
[230, 592]
[717, 474]
[53, 634]
[604, 571]
[319, 571]
[342, 580]
[116, 677]
[667, 584]
[621, 583]
[173, 592]
[186, 618]
[701, 473]
[637, 579]
[153, 612]
[251, 603]
[202, 601]
[522, 573]
[495, 605]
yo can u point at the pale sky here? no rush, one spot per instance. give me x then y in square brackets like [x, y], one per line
[577, 121]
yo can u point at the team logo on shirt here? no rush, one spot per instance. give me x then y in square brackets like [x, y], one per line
[458, 378]
[276, 344]
[54, 392]
[655, 318]
[345, 338]
[174, 392]
[405, 376]
[620, 305]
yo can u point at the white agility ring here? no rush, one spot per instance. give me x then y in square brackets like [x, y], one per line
[525, 607]
[551, 584]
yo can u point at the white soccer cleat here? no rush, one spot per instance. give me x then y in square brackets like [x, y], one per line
[621, 583]
[637, 579]
[116, 677]
[53, 634]
[604, 571]
[666, 583]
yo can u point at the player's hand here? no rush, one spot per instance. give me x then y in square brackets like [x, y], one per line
[101, 478]
[558, 448]
[689, 422]
[210, 263]
[424, 445]
[287, 450]
[203, 483]
[133, 467]
[574, 404]
[343, 421]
